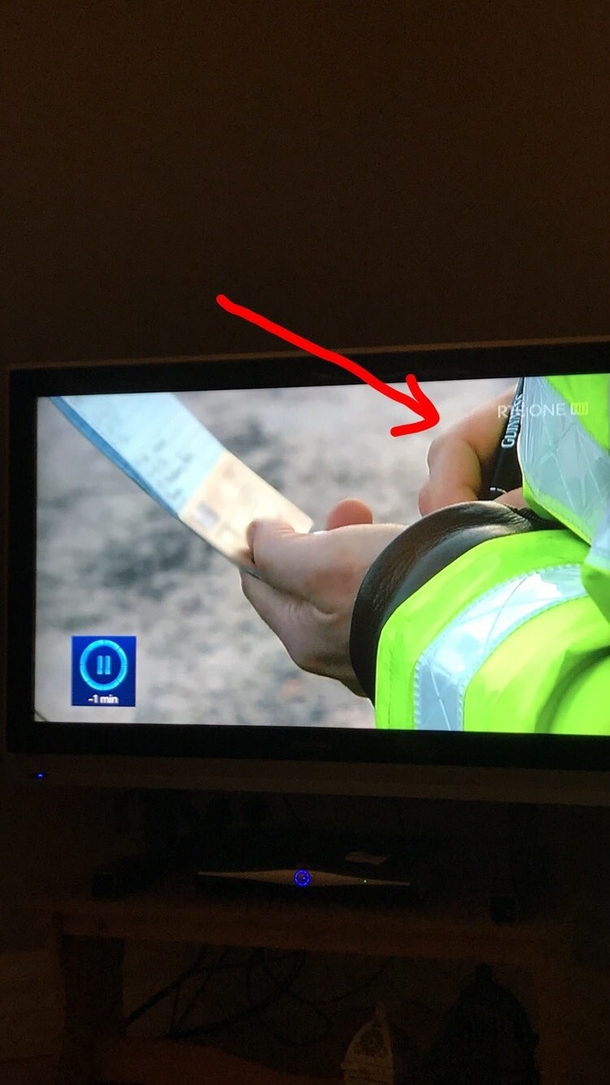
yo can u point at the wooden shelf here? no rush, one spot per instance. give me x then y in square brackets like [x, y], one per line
[180, 912]
[91, 936]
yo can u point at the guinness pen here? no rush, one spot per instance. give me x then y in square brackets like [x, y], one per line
[507, 472]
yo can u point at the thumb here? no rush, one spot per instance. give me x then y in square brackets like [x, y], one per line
[259, 530]
[272, 547]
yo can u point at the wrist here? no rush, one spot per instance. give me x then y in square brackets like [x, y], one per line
[410, 561]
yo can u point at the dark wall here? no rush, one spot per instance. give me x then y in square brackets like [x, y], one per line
[365, 171]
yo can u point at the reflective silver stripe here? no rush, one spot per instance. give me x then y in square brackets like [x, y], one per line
[447, 666]
[599, 555]
[561, 460]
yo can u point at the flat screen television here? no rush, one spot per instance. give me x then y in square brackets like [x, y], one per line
[132, 657]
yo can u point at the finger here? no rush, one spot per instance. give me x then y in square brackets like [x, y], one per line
[483, 428]
[460, 460]
[280, 554]
[349, 511]
[455, 476]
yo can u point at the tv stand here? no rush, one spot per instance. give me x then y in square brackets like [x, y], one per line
[91, 936]
[288, 861]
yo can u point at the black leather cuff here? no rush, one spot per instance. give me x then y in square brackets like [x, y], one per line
[414, 557]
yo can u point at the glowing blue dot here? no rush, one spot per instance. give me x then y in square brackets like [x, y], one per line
[41, 775]
[302, 878]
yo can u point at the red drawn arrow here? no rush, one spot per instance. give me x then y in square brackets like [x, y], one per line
[418, 401]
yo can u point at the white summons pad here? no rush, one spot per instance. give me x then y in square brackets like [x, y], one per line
[163, 447]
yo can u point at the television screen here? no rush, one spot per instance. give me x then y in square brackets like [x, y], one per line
[131, 488]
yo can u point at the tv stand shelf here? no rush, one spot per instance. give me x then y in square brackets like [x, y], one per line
[91, 936]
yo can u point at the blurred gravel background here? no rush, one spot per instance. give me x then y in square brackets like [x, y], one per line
[111, 562]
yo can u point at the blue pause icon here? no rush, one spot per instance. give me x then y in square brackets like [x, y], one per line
[104, 664]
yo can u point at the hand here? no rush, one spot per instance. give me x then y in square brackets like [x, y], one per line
[461, 460]
[310, 582]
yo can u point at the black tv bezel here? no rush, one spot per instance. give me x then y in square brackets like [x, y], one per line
[261, 743]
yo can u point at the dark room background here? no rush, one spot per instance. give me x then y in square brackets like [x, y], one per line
[366, 172]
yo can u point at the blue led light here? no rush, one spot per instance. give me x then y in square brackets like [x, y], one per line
[302, 878]
[41, 775]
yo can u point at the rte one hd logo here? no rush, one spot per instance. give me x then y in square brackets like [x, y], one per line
[104, 671]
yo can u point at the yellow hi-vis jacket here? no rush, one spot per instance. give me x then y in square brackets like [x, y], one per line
[511, 633]
[564, 453]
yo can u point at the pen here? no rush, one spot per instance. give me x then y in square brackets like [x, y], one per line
[507, 472]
